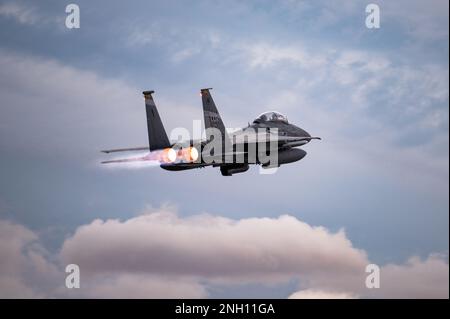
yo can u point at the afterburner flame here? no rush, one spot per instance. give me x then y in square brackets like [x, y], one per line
[194, 153]
[168, 155]
[164, 156]
[188, 155]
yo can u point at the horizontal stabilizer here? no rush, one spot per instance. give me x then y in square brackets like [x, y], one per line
[127, 160]
[143, 148]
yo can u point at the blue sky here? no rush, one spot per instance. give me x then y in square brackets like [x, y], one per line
[378, 97]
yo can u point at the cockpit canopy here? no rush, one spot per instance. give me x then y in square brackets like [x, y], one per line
[271, 117]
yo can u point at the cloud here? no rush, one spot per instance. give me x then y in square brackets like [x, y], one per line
[251, 249]
[13, 238]
[73, 113]
[321, 15]
[417, 278]
[21, 13]
[184, 54]
[220, 251]
[138, 37]
[319, 294]
[418, 20]
[24, 269]
[59, 109]
[264, 55]
[28, 271]
[162, 255]
[131, 285]
[30, 15]
[422, 21]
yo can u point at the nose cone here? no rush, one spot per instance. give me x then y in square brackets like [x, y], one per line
[302, 133]
[304, 136]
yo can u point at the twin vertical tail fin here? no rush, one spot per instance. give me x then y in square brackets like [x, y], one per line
[212, 116]
[157, 137]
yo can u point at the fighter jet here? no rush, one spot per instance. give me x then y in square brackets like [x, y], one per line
[270, 141]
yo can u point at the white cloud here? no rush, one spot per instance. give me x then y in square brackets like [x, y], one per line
[131, 285]
[319, 294]
[141, 34]
[23, 266]
[265, 55]
[221, 251]
[22, 13]
[184, 54]
[162, 255]
[139, 37]
[74, 112]
[59, 109]
[251, 249]
[417, 278]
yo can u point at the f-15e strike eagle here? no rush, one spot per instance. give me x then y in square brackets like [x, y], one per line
[269, 141]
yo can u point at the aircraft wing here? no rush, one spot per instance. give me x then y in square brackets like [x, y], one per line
[142, 148]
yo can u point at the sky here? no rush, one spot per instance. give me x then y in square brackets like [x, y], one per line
[373, 191]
